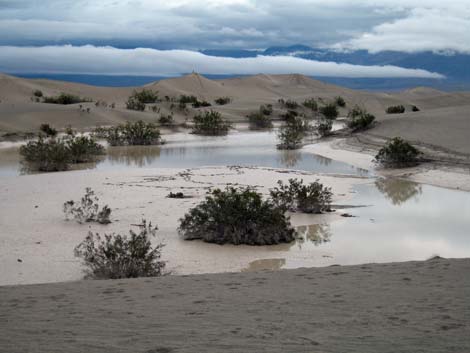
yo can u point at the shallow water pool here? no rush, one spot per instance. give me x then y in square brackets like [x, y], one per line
[184, 151]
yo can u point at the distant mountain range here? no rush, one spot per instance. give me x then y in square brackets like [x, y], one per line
[456, 67]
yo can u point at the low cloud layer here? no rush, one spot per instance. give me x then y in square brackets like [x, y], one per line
[143, 61]
[375, 25]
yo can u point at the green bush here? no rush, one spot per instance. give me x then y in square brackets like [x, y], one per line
[88, 210]
[37, 93]
[134, 104]
[415, 108]
[266, 109]
[290, 134]
[176, 195]
[359, 119]
[223, 100]
[323, 127]
[48, 130]
[340, 102]
[49, 155]
[329, 111]
[145, 96]
[65, 99]
[46, 155]
[237, 216]
[311, 198]
[397, 153]
[289, 116]
[120, 256]
[210, 123]
[311, 104]
[83, 149]
[166, 120]
[199, 104]
[139, 133]
[291, 104]
[395, 109]
[259, 121]
[184, 99]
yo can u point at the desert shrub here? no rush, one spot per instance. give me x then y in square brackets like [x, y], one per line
[259, 121]
[112, 135]
[134, 104]
[69, 131]
[290, 115]
[291, 104]
[138, 133]
[37, 93]
[83, 149]
[199, 104]
[296, 196]
[145, 96]
[414, 108]
[119, 256]
[184, 99]
[223, 100]
[266, 109]
[311, 103]
[87, 210]
[359, 119]
[65, 99]
[397, 153]
[290, 134]
[395, 109]
[182, 106]
[176, 195]
[46, 155]
[323, 127]
[48, 130]
[210, 123]
[237, 216]
[166, 120]
[340, 102]
[329, 111]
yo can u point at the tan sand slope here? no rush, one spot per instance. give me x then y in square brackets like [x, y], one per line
[398, 307]
[444, 119]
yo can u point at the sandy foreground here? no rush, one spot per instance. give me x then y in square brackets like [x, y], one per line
[397, 307]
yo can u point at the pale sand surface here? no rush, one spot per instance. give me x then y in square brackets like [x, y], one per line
[398, 307]
[34, 229]
[362, 156]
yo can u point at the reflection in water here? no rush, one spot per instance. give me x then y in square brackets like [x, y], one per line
[398, 191]
[265, 264]
[187, 151]
[322, 160]
[314, 233]
[289, 158]
[139, 156]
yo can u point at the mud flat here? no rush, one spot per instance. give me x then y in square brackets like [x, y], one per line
[37, 242]
[396, 307]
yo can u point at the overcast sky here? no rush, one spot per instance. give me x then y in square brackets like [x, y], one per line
[378, 25]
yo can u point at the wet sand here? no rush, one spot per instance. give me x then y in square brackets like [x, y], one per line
[445, 173]
[397, 307]
[34, 229]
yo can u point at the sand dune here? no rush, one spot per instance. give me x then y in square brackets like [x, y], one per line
[398, 307]
[443, 120]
